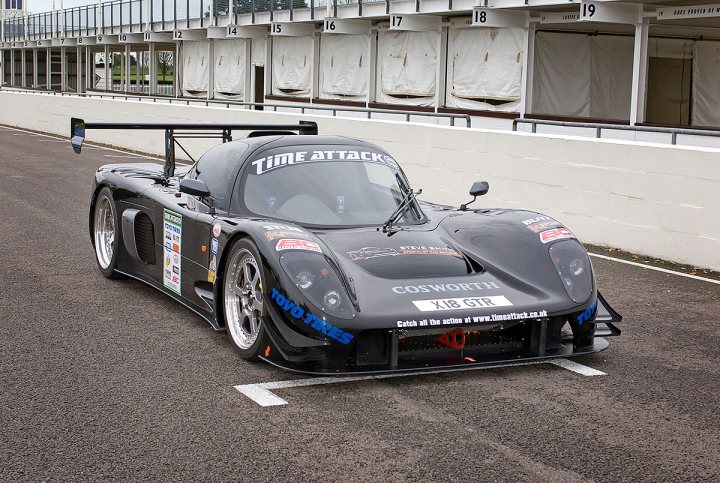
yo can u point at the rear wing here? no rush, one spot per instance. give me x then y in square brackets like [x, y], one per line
[174, 131]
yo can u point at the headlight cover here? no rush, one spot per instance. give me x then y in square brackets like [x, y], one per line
[317, 280]
[573, 267]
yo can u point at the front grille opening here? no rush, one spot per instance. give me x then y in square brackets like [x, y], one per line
[486, 340]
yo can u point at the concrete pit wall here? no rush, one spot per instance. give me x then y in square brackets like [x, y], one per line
[654, 200]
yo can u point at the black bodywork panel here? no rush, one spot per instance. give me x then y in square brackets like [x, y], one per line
[482, 279]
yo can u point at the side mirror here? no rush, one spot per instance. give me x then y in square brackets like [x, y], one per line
[479, 188]
[77, 134]
[194, 187]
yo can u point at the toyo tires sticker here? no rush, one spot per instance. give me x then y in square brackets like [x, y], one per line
[172, 250]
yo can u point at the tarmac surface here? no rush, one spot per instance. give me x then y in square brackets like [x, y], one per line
[111, 380]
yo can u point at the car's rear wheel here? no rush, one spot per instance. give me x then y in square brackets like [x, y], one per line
[106, 233]
[243, 298]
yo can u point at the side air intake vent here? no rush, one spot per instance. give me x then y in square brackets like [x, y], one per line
[145, 238]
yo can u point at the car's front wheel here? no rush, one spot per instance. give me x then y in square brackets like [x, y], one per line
[106, 233]
[243, 298]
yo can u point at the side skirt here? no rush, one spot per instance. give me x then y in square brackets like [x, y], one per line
[176, 297]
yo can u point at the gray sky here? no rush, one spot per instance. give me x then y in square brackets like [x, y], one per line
[39, 6]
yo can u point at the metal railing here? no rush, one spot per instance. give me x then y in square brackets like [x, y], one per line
[674, 132]
[128, 16]
[303, 108]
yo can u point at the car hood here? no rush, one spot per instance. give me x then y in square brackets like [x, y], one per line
[416, 275]
[403, 255]
[459, 268]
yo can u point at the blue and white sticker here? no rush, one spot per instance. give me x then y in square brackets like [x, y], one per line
[214, 246]
[172, 250]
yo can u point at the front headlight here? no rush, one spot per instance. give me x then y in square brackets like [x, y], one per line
[317, 280]
[573, 267]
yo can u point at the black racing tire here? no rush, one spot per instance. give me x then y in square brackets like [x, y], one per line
[242, 298]
[107, 234]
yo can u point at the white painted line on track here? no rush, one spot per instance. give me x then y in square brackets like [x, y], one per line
[261, 395]
[658, 269]
[575, 367]
[261, 392]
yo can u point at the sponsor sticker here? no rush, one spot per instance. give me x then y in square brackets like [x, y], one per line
[588, 314]
[216, 230]
[462, 303]
[317, 323]
[282, 227]
[556, 234]
[367, 253]
[295, 244]
[475, 319]
[268, 163]
[537, 219]
[272, 235]
[538, 227]
[172, 247]
[446, 287]
[214, 246]
[211, 269]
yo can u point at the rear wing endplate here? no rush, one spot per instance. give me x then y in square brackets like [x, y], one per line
[175, 131]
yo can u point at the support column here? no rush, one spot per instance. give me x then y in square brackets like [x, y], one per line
[268, 66]
[138, 71]
[441, 68]
[2, 61]
[79, 73]
[177, 70]
[108, 72]
[36, 76]
[63, 69]
[372, 68]
[126, 70]
[48, 68]
[211, 69]
[528, 71]
[12, 67]
[89, 69]
[249, 73]
[639, 76]
[153, 69]
[315, 77]
[23, 68]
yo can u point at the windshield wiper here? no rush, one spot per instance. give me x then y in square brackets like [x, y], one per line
[400, 210]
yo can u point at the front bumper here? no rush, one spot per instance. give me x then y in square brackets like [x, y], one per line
[377, 351]
[397, 350]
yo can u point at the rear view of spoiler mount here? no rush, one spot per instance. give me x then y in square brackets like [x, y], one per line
[173, 132]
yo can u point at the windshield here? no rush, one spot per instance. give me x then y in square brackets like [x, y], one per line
[339, 187]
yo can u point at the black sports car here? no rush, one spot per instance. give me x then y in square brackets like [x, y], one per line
[315, 255]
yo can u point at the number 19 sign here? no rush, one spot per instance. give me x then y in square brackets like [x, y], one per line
[594, 11]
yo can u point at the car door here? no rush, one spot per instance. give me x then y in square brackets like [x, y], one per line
[190, 220]
[183, 234]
